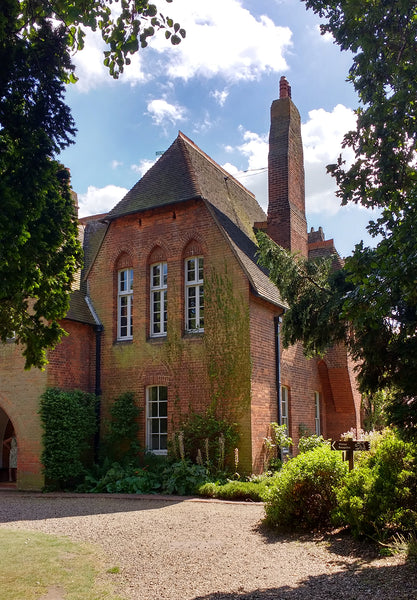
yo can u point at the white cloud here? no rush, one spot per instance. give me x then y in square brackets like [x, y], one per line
[115, 164]
[161, 111]
[322, 139]
[143, 166]
[255, 149]
[99, 200]
[255, 176]
[90, 69]
[204, 123]
[220, 96]
[232, 169]
[223, 38]
[326, 37]
[88, 62]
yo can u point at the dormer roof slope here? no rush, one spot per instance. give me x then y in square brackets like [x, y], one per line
[184, 172]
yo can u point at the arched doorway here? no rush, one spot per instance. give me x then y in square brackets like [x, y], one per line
[8, 457]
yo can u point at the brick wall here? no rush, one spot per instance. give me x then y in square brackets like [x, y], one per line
[301, 376]
[264, 408]
[19, 399]
[286, 208]
[72, 362]
[344, 412]
[177, 361]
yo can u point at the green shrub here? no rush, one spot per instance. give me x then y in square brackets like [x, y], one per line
[379, 497]
[212, 439]
[183, 478]
[303, 492]
[120, 441]
[122, 479]
[69, 422]
[235, 490]
[310, 442]
[159, 476]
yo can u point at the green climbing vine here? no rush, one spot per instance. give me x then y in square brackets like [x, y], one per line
[227, 345]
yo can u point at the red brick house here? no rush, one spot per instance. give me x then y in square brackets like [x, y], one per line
[172, 306]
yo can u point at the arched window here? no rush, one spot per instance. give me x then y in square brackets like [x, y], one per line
[158, 289]
[194, 287]
[124, 298]
[284, 407]
[194, 294]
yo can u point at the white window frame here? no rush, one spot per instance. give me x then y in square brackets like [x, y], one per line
[157, 419]
[284, 407]
[124, 304]
[194, 294]
[158, 297]
[317, 427]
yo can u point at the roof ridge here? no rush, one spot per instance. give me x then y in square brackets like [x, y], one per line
[183, 138]
[228, 175]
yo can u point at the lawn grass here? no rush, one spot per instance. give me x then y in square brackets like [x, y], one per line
[33, 563]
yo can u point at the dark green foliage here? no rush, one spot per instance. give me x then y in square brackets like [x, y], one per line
[120, 441]
[153, 477]
[204, 432]
[314, 293]
[370, 304]
[307, 443]
[236, 490]
[227, 345]
[303, 493]
[183, 478]
[373, 406]
[69, 423]
[379, 497]
[38, 225]
[118, 479]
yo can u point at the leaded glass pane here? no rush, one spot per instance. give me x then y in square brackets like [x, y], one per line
[156, 275]
[122, 281]
[191, 270]
[163, 393]
[163, 409]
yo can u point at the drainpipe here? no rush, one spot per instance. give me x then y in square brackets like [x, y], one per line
[277, 326]
[97, 388]
[98, 328]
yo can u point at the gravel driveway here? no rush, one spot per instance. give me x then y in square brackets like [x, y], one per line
[189, 549]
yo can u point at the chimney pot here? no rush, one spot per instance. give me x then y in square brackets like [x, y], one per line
[284, 88]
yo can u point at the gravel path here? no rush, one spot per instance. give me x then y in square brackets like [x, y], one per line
[189, 549]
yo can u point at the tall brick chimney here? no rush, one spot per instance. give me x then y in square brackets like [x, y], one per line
[286, 223]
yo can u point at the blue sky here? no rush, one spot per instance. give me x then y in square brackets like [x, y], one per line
[217, 87]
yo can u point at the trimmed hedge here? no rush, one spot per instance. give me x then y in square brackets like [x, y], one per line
[69, 423]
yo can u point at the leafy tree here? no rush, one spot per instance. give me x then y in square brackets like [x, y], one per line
[371, 303]
[40, 252]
